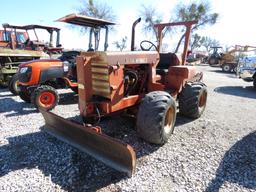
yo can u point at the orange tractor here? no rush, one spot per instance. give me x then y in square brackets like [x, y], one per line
[20, 44]
[40, 79]
[147, 84]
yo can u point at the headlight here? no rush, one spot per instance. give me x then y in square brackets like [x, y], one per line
[23, 69]
[65, 66]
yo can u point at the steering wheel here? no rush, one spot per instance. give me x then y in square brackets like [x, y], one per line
[147, 48]
[26, 43]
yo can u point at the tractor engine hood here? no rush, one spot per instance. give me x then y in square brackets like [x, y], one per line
[40, 71]
[41, 64]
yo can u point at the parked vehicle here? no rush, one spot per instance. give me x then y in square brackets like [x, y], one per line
[146, 84]
[228, 60]
[215, 56]
[17, 46]
[247, 69]
[40, 79]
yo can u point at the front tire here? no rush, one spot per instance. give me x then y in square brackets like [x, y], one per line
[156, 117]
[226, 67]
[13, 85]
[45, 97]
[192, 100]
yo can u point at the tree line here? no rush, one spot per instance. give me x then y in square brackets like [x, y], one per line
[200, 11]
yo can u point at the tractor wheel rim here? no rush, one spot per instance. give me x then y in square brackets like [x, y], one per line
[202, 99]
[46, 99]
[169, 119]
[226, 68]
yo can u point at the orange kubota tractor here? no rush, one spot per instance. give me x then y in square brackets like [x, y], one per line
[19, 44]
[148, 84]
[40, 79]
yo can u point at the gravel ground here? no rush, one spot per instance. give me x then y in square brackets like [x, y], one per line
[214, 153]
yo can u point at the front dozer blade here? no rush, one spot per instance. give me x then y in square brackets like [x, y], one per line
[108, 150]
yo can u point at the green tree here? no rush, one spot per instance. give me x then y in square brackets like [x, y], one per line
[96, 9]
[121, 45]
[195, 11]
[152, 17]
[195, 41]
[208, 42]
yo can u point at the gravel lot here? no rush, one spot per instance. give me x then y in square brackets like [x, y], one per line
[214, 153]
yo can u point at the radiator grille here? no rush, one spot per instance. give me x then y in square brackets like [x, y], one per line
[100, 80]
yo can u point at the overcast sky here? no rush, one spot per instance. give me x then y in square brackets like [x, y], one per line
[236, 24]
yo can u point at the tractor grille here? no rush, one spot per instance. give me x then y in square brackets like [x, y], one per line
[100, 80]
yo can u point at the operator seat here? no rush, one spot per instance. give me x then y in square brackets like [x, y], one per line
[166, 60]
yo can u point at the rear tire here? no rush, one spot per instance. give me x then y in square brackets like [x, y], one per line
[192, 100]
[13, 85]
[156, 117]
[45, 97]
[213, 61]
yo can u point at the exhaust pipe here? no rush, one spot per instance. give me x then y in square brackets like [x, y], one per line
[133, 33]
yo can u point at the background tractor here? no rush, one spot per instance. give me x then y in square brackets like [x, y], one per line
[20, 44]
[215, 56]
[145, 84]
[40, 79]
[227, 61]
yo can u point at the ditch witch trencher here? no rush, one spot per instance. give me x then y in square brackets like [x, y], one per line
[147, 84]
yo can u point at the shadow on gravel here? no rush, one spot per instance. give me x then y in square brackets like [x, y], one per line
[68, 98]
[238, 165]
[15, 108]
[248, 91]
[69, 168]
[181, 120]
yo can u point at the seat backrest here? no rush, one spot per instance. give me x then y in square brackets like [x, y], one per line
[167, 60]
